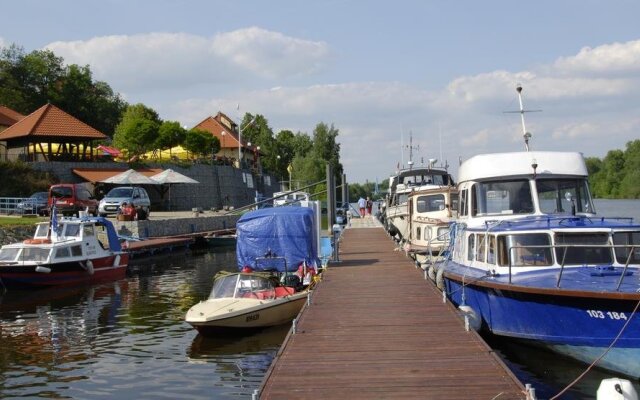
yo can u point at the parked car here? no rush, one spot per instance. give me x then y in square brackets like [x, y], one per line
[35, 204]
[130, 194]
[70, 198]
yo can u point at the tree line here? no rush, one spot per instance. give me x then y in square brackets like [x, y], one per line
[617, 175]
[30, 80]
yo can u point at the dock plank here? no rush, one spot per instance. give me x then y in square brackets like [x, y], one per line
[376, 329]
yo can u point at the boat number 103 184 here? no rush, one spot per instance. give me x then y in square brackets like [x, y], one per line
[609, 314]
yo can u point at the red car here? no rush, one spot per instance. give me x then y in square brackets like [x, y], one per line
[70, 198]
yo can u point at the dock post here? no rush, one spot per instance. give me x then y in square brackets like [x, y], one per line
[294, 325]
[255, 395]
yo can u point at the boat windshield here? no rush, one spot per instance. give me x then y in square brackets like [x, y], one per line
[243, 286]
[8, 254]
[37, 254]
[430, 203]
[42, 230]
[558, 196]
[502, 197]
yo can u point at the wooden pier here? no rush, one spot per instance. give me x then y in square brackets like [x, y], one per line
[375, 329]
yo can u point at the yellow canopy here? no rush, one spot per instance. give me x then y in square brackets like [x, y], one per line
[175, 152]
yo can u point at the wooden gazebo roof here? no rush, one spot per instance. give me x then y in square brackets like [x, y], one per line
[48, 125]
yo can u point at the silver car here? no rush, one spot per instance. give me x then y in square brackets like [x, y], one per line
[111, 203]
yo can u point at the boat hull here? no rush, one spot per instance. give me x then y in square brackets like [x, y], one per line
[251, 315]
[567, 324]
[66, 273]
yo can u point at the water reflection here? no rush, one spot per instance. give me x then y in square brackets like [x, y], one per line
[128, 338]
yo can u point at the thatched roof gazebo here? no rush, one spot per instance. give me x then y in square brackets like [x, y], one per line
[54, 134]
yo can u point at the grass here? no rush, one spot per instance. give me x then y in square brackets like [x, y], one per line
[17, 221]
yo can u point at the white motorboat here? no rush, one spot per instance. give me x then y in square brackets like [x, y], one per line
[246, 301]
[277, 252]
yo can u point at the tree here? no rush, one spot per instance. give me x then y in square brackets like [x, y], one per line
[137, 131]
[201, 142]
[630, 184]
[326, 147]
[170, 134]
[28, 81]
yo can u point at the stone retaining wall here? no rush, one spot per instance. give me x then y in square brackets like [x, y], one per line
[220, 185]
[176, 226]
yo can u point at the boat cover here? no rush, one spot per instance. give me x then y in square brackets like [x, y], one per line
[112, 235]
[288, 232]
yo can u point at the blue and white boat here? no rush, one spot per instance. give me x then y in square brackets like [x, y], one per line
[531, 259]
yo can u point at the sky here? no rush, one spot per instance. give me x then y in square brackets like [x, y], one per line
[441, 73]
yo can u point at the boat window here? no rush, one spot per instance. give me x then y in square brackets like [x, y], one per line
[8, 254]
[430, 203]
[527, 249]
[402, 198]
[72, 230]
[418, 233]
[627, 239]
[35, 254]
[600, 253]
[558, 196]
[454, 201]
[464, 206]
[491, 254]
[87, 230]
[62, 252]
[502, 197]
[76, 251]
[443, 232]
[481, 247]
[471, 246]
[42, 231]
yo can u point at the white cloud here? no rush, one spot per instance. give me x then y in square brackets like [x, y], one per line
[3, 43]
[588, 99]
[156, 61]
[607, 59]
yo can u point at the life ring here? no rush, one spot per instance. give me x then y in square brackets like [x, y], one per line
[37, 241]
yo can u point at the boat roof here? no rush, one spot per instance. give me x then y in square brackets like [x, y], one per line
[495, 165]
[556, 223]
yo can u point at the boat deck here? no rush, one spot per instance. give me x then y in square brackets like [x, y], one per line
[376, 329]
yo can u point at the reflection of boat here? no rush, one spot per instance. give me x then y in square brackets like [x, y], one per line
[531, 260]
[65, 252]
[430, 211]
[207, 347]
[265, 293]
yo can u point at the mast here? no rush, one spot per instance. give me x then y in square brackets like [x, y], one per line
[526, 135]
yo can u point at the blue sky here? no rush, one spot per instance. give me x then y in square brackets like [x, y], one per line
[442, 71]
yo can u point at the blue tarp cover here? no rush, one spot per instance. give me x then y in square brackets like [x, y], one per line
[288, 232]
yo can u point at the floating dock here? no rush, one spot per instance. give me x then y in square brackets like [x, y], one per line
[376, 329]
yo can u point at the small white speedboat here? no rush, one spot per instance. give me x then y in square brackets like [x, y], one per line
[246, 301]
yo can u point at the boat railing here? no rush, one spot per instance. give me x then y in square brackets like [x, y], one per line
[443, 243]
[565, 247]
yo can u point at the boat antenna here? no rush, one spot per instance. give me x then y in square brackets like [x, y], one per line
[526, 135]
[411, 147]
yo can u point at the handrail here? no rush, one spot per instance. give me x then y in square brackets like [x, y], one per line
[566, 247]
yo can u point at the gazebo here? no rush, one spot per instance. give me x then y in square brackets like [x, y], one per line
[54, 134]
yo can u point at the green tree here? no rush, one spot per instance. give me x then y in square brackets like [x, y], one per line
[326, 147]
[630, 184]
[170, 134]
[201, 142]
[137, 131]
[28, 81]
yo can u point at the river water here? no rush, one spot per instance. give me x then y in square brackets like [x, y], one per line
[127, 339]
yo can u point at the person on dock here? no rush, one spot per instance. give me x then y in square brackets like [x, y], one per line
[362, 203]
[127, 211]
[369, 206]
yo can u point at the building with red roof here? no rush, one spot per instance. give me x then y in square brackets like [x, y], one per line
[50, 134]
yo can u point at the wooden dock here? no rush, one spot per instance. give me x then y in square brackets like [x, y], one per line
[376, 329]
